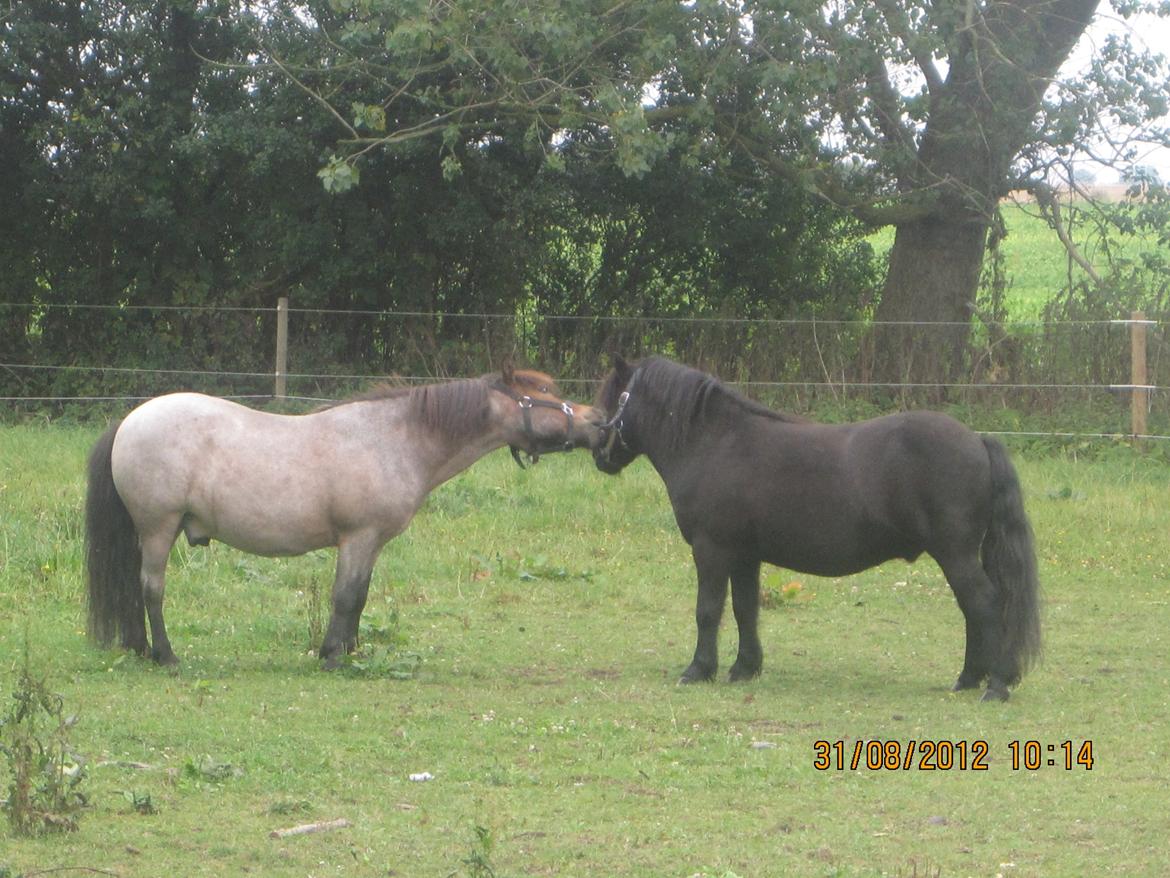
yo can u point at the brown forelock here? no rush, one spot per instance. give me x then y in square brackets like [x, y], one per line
[531, 380]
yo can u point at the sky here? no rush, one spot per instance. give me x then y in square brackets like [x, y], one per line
[1148, 30]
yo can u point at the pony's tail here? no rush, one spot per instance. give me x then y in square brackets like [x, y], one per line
[1009, 559]
[113, 559]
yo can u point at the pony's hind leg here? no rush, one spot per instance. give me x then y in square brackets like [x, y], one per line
[745, 603]
[351, 586]
[155, 551]
[981, 604]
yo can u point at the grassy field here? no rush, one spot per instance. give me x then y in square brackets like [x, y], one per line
[522, 644]
[1035, 262]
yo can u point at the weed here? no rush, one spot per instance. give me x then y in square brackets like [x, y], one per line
[140, 803]
[387, 633]
[525, 569]
[202, 690]
[206, 769]
[539, 567]
[478, 860]
[382, 661]
[778, 591]
[285, 807]
[44, 794]
[315, 611]
[931, 872]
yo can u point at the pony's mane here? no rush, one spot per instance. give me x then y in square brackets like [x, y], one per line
[451, 408]
[687, 399]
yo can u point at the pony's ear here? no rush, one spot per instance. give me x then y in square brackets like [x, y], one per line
[624, 370]
[508, 371]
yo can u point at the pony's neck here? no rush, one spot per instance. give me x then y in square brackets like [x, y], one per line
[446, 456]
[665, 440]
[449, 451]
[420, 440]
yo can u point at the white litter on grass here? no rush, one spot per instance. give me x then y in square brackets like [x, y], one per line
[763, 745]
[422, 777]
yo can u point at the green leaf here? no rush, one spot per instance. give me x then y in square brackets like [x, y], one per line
[338, 176]
[452, 167]
[369, 116]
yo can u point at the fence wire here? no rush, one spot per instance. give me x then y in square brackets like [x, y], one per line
[1062, 379]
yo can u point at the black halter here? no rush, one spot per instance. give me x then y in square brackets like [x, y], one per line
[612, 429]
[527, 404]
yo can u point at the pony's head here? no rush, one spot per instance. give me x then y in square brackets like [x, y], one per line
[539, 419]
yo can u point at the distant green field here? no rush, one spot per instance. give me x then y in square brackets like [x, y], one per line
[540, 620]
[1036, 263]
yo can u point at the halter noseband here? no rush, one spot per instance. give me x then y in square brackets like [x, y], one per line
[613, 427]
[527, 404]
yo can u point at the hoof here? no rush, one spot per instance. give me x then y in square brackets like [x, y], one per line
[165, 659]
[997, 693]
[739, 675]
[695, 674]
[333, 653]
[964, 683]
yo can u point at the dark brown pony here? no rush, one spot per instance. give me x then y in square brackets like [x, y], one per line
[750, 485]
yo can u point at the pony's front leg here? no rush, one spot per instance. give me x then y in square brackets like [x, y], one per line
[712, 567]
[351, 585]
[745, 603]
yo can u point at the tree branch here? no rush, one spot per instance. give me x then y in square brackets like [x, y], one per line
[1049, 203]
[887, 105]
[312, 94]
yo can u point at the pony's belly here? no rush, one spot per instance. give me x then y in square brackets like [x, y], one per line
[842, 557]
[260, 538]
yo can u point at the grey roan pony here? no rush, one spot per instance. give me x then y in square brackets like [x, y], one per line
[350, 475]
[750, 485]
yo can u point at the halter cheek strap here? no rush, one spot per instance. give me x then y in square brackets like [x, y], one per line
[527, 404]
[614, 425]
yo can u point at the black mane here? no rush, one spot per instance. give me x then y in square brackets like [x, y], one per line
[688, 399]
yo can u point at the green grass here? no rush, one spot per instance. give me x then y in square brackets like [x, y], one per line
[551, 612]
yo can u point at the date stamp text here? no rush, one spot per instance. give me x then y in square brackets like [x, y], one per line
[945, 755]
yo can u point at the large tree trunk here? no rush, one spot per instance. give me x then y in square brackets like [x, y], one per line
[980, 117]
[932, 278]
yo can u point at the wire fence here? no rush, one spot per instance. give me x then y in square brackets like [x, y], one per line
[1063, 380]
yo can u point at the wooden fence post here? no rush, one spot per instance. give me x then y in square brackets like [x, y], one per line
[281, 347]
[1138, 378]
